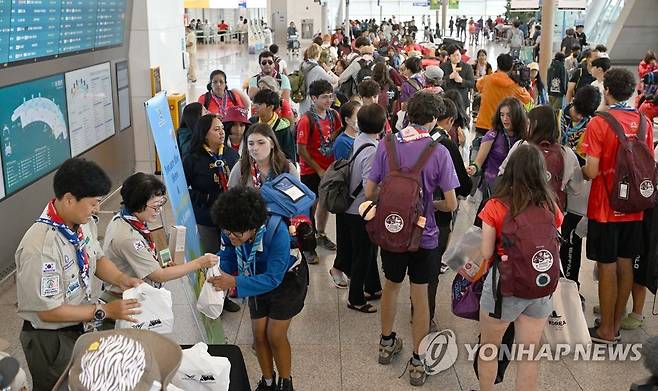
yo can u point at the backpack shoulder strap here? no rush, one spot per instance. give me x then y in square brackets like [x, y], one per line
[358, 151]
[391, 151]
[311, 123]
[272, 224]
[233, 98]
[424, 156]
[206, 100]
[614, 124]
[641, 133]
[276, 124]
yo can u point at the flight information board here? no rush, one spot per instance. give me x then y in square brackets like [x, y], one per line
[34, 129]
[90, 109]
[31, 29]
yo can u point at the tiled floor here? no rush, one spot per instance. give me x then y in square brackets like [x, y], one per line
[335, 348]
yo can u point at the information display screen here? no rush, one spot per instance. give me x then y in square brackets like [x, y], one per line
[90, 109]
[33, 122]
[31, 29]
[123, 94]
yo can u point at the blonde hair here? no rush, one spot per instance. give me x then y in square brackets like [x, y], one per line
[313, 51]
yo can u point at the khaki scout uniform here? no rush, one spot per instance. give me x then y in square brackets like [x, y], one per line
[47, 277]
[129, 251]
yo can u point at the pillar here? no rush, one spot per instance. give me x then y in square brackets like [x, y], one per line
[546, 45]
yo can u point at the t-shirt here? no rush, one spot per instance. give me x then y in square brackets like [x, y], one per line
[220, 106]
[499, 150]
[581, 77]
[308, 134]
[494, 212]
[361, 169]
[439, 172]
[343, 146]
[601, 142]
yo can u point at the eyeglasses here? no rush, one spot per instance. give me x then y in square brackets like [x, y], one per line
[237, 235]
[327, 96]
[267, 62]
[157, 206]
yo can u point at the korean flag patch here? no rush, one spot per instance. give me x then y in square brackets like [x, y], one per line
[49, 267]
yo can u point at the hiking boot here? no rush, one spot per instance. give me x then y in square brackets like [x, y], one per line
[285, 385]
[325, 242]
[311, 257]
[230, 305]
[632, 321]
[417, 374]
[262, 386]
[387, 351]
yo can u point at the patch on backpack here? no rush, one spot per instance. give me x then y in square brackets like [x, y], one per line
[542, 261]
[543, 280]
[646, 188]
[394, 223]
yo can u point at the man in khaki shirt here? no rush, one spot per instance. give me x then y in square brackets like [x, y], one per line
[60, 266]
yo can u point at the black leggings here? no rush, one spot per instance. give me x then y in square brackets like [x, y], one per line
[571, 248]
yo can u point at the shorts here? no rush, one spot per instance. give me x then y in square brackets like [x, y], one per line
[641, 262]
[512, 306]
[312, 181]
[419, 265]
[608, 241]
[286, 300]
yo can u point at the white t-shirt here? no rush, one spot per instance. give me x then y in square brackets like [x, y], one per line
[599, 85]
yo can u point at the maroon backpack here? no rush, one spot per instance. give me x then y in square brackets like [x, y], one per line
[554, 170]
[633, 187]
[530, 268]
[397, 226]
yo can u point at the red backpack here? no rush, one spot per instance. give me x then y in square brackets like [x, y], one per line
[633, 187]
[555, 170]
[530, 268]
[399, 218]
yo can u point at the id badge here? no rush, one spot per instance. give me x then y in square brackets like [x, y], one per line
[623, 191]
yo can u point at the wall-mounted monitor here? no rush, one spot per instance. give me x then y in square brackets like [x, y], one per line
[44, 29]
[35, 137]
[90, 108]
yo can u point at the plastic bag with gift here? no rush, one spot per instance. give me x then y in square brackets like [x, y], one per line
[211, 302]
[156, 309]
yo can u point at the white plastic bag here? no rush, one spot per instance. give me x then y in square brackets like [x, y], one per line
[199, 371]
[399, 124]
[567, 324]
[465, 250]
[156, 309]
[211, 302]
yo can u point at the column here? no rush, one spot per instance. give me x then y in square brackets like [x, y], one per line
[546, 45]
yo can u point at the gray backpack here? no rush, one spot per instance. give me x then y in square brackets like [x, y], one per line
[334, 190]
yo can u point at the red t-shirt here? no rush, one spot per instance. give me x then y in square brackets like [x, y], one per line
[494, 212]
[313, 142]
[649, 110]
[220, 105]
[600, 141]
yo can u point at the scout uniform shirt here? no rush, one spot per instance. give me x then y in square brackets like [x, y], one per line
[48, 274]
[129, 251]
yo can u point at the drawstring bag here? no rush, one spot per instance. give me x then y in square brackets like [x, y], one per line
[156, 309]
[211, 302]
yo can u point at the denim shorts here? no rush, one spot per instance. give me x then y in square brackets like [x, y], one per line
[512, 306]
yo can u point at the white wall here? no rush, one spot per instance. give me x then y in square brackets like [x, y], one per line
[156, 39]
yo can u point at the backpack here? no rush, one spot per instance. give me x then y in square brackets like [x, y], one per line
[289, 201]
[555, 170]
[556, 80]
[399, 219]
[349, 87]
[633, 186]
[298, 85]
[516, 38]
[650, 81]
[531, 269]
[334, 190]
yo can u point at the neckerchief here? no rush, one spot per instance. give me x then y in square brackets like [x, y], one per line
[246, 263]
[621, 106]
[76, 238]
[222, 103]
[141, 228]
[272, 121]
[572, 133]
[325, 142]
[220, 166]
[412, 133]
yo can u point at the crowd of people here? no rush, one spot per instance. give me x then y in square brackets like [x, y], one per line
[401, 116]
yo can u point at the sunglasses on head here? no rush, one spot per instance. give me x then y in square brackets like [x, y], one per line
[266, 62]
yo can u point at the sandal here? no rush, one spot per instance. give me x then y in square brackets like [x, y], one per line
[366, 308]
[339, 280]
[373, 296]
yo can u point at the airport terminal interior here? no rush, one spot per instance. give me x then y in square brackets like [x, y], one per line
[90, 89]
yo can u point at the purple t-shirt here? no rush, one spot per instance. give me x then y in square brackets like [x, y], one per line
[499, 150]
[408, 90]
[439, 172]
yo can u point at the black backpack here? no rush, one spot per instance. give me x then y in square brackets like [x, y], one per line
[334, 187]
[349, 87]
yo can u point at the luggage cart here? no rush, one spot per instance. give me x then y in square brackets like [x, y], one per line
[293, 45]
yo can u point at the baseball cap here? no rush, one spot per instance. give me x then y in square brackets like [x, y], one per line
[236, 114]
[533, 65]
[121, 360]
[433, 73]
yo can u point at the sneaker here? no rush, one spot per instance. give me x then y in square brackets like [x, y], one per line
[386, 352]
[231, 306]
[262, 386]
[285, 385]
[632, 321]
[417, 374]
[311, 257]
[325, 242]
[444, 268]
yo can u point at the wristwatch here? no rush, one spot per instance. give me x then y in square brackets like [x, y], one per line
[99, 314]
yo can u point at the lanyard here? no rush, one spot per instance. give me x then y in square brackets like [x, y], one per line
[222, 103]
[246, 264]
[76, 238]
[255, 176]
[325, 142]
[221, 168]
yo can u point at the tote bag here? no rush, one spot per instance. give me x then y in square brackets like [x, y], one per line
[566, 324]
